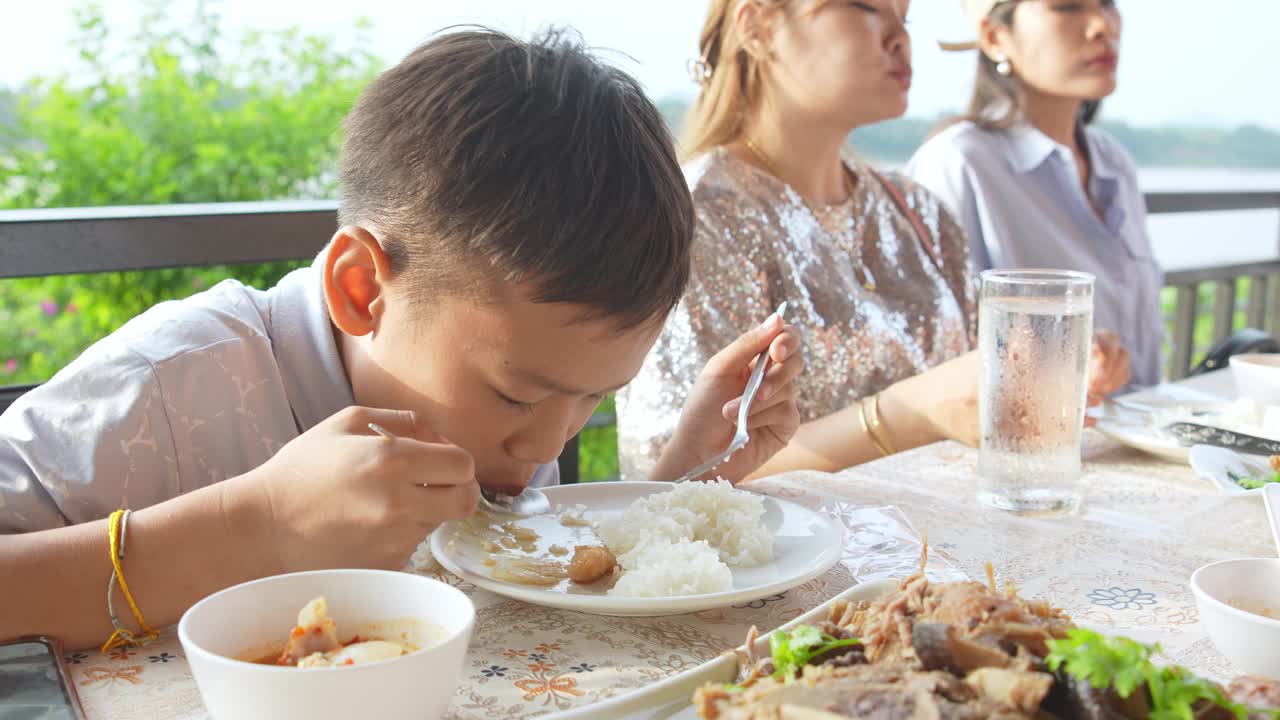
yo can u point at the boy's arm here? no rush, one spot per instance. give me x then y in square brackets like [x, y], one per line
[95, 438]
[177, 552]
[338, 495]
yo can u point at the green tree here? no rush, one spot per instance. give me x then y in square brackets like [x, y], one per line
[8, 108]
[200, 118]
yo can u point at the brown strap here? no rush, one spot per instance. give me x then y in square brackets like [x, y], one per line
[921, 234]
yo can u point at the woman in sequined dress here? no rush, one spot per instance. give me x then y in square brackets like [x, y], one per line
[873, 267]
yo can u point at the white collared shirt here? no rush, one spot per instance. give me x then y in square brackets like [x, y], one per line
[1017, 193]
[187, 394]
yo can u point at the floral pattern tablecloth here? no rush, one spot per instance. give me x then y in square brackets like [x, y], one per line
[1121, 564]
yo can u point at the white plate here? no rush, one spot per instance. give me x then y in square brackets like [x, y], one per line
[1125, 421]
[1213, 464]
[671, 699]
[805, 545]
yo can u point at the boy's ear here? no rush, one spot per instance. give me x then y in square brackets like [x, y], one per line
[356, 273]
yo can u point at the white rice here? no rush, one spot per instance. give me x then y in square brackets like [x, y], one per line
[661, 568]
[423, 561]
[682, 541]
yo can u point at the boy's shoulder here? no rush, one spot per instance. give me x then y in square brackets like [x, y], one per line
[227, 312]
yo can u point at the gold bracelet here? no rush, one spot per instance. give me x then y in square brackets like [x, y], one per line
[877, 425]
[866, 428]
[117, 532]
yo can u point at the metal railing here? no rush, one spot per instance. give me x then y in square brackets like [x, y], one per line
[110, 239]
[1262, 306]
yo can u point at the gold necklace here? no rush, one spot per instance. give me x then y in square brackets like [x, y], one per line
[858, 270]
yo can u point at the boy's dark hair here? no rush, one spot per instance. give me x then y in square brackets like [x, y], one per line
[483, 159]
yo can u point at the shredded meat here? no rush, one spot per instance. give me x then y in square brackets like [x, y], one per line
[1255, 692]
[1002, 620]
[889, 690]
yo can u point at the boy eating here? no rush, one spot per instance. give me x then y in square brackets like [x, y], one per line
[514, 231]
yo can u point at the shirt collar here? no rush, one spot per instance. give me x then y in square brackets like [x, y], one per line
[1029, 148]
[315, 378]
[1102, 165]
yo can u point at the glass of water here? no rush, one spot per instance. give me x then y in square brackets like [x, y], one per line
[1035, 329]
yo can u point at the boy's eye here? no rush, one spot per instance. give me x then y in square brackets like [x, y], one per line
[865, 6]
[517, 404]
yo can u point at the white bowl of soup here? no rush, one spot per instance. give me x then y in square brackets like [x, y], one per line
[1239, 604]
[379, 645]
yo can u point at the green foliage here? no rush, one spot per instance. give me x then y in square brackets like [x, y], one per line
[598, 448]
[184, 125]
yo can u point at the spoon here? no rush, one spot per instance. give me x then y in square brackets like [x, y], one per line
[1271, 499]
[530, 501]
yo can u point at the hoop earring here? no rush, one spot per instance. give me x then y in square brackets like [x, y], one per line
[699, 71]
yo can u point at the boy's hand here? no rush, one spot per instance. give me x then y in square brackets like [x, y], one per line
[710, 414]
[340, 495]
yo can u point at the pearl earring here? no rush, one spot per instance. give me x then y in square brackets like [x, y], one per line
[1003, 67]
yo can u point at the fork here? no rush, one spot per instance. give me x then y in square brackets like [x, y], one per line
[740, 437]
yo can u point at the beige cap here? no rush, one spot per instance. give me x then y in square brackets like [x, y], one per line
[975, 10]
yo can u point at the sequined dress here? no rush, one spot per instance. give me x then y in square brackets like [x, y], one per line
[757, 243]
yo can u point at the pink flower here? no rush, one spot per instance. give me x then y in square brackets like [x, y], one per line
[49, 308]
[10, 366]
[72, 308]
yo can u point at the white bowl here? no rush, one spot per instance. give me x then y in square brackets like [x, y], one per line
[1250, 641]
[255, 619]
[1257, 376]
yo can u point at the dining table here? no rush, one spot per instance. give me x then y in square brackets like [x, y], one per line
[1120, 562]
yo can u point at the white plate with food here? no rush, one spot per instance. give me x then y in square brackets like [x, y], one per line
[1233, 472]
[1136, 419]
[670, 699]
[922, 649]
[670, 549]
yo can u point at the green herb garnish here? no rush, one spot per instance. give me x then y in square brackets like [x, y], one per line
[793, 650]
[1249, 483]
[1103, 662]
[1125, 665]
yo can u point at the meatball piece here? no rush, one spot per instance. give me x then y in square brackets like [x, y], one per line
[590, 563]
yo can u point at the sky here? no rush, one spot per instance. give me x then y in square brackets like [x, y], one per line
[1183, 62]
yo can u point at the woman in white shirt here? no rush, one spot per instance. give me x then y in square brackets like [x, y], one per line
[1032, 181]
